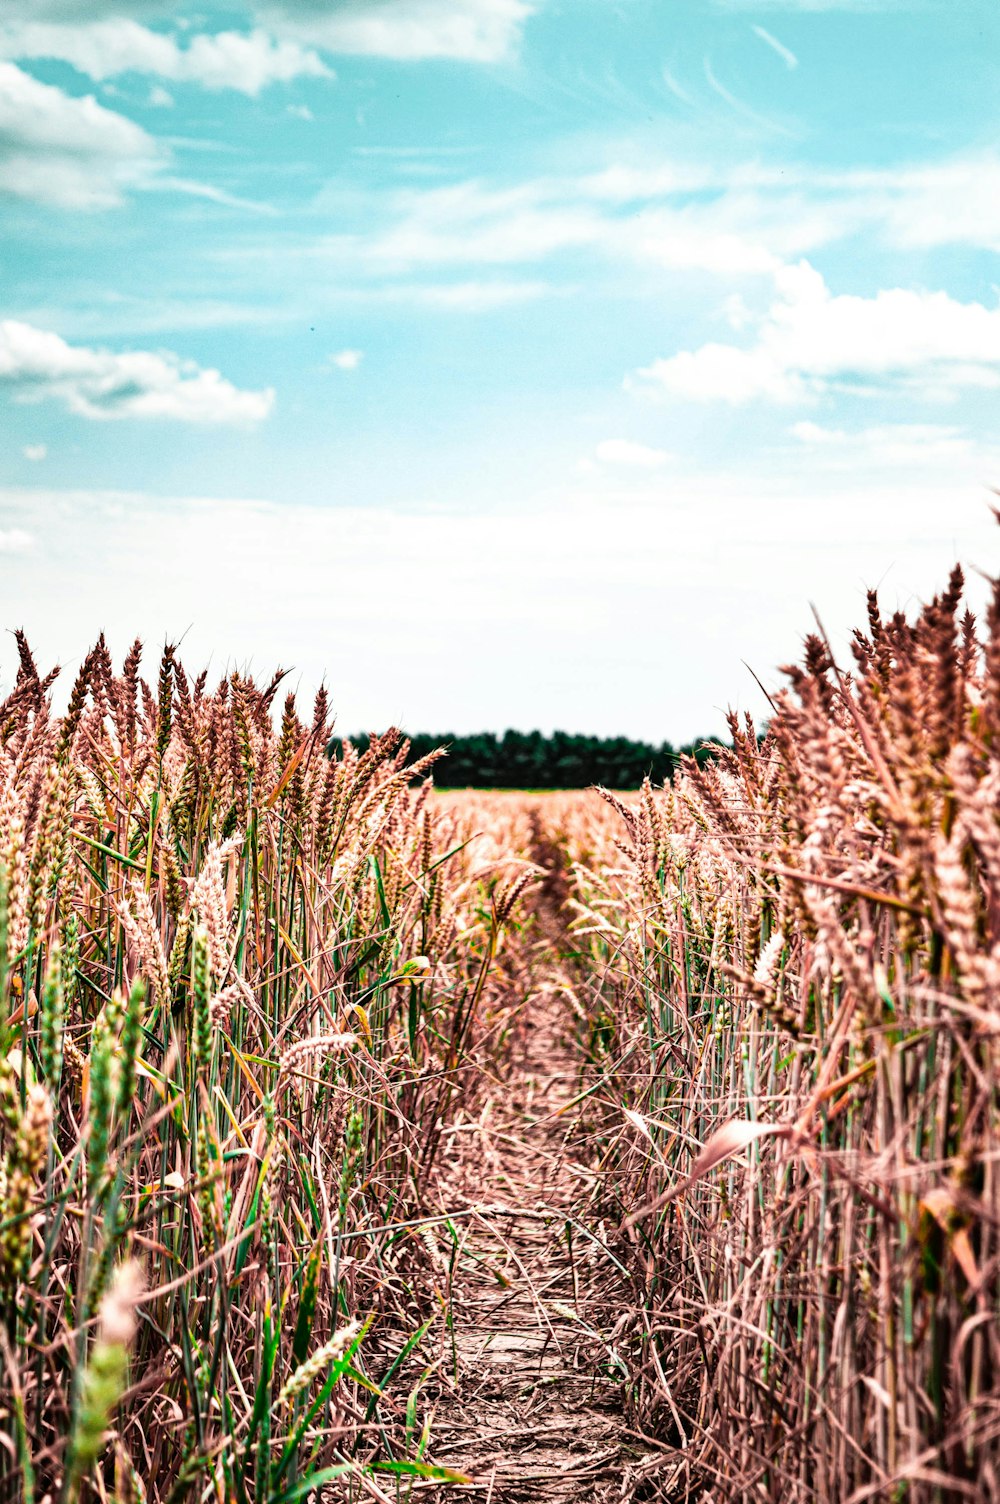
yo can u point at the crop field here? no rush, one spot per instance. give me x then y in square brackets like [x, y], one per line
[365, 1141]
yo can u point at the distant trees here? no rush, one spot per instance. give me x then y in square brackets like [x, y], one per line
[530, 760]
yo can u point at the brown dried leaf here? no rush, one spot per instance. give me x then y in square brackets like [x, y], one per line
[729, 1140]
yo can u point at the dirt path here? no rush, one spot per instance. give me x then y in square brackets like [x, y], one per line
[534, 1407]
[530, 1402]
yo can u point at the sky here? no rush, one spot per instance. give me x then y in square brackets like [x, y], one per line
[499, 362]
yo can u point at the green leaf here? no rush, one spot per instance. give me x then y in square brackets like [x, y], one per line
[350, 1372]
[383, 905]
[401, 1357]
[307, 1305]
[308, 1485]
[262, 1399]
[336, 1373]
[421, 1470]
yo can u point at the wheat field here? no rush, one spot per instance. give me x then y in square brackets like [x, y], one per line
[683, 1099]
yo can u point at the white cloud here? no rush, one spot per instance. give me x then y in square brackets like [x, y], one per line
[953, 202]
[454, 297]
[889, 443]
[721, 373]
[739, 222]
[15, 540]
[466, 223]
[300, 112]
[682, 245]
[785, 53]
[480, 31]
[473, 224]
[625, 453]
[100, 384]
[676, 219]
[34, 452]
[160, 98]
[811, 341]
[60, 150]
[106, 49]
[347, 360]
[470, 297]
[788, 210]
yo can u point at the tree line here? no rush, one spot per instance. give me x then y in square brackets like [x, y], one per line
[531, 760]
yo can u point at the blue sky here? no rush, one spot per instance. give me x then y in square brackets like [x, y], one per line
[504, 361]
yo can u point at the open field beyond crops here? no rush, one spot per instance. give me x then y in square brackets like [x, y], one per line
[365, 1142]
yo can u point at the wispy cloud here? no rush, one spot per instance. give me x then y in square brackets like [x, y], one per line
[823, 5]
[888, 444]
[478, 244]
[472, 224]
[949, 201]
[472, 297]
[763, 122]
[630, 455]
[37, 365]
[347, 360]
[475, 225]
[34, 452]
[83, 314]
[168, 183]
[785, 53]
[676, 89]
